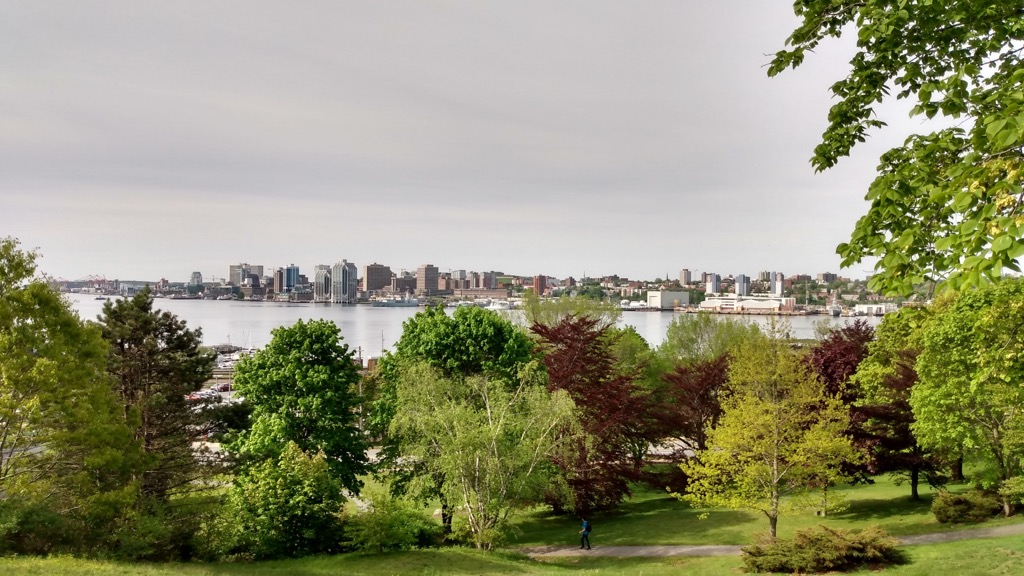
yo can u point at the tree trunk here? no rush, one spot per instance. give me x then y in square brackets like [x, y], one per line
[773, 522]
[446, 517]
[1007, 508]
[915, 478]
[956, 473]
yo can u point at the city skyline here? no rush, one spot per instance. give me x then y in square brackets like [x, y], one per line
[559, 138]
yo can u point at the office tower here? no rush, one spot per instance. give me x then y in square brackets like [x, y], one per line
[426, 279]
[712, 285]
[344, 282]
[742, 283]
[291, 277]
[777, 284]
[685, 277]
[764, 276]
[376, 277]
[322, 283]
[196, 280]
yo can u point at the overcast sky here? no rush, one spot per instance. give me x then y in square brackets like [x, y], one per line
[141, 140]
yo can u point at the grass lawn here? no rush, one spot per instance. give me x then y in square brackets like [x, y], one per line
[999, 556]
[652, 517]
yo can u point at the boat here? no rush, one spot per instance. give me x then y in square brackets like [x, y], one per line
[836, 311]
[395, 302]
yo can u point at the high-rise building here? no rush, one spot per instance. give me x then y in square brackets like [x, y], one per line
[291, 277]
[279, 281]
[344, 282]
[426, 279]
[376, 277]
[764, 276]
[237, 273]
[685, 277]
[826, 277]
[778, 280]
[540, 285]
[742, 283]
[196, 280]
[322, 283]
[712, 285]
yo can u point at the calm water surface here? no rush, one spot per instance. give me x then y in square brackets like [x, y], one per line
[366, 329]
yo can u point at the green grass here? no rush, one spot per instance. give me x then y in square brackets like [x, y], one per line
[998, 556]
[652, 517]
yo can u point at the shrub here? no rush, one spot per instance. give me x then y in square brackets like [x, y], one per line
[823, 550]
[30, 528]
[392, 524]
[971, 506]
[672, 478]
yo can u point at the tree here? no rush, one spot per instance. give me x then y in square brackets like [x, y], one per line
[155, 362]
[64, 451]
[835, 358]
[969, 394]
[946, 204]
[471, 342]
[779, 434]
[690, 401]
[302, 389]
[578, 356]
[287, 506]
[551, 311]
[487, 440]
[702, 336]
[885, 379]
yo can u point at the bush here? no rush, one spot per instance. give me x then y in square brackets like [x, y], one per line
[30, 528]
[823, 550]
[392, 524]
[971, 506]
[672, 478]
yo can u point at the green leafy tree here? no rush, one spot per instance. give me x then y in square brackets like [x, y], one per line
[470, 342]
[702, 336]
[488, 440]
[969, 395]
[946, 204]
[885, 379]
[551, 311]
[155, 362]
[65, 456]
[303, 389]
[287, 506]
[779, 435]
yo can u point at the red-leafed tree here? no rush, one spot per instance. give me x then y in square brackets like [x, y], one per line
[690, 401]
[835, 359]
[578, 355]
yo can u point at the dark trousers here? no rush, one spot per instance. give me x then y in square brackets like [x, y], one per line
[585, 540]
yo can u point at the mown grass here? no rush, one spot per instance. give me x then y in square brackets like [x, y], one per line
[652, 517]
[997, 557]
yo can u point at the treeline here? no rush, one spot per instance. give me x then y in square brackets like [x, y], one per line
[102, 453]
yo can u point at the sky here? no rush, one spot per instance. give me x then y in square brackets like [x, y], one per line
[148, 140]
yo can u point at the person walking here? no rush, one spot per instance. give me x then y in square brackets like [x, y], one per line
[585, 534]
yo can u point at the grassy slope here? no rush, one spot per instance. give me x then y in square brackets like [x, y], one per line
[653, 517]
[1000, 556]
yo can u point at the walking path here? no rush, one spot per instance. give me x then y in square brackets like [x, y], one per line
[661, 551]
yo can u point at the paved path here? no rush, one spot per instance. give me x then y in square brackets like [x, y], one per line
[661, 551]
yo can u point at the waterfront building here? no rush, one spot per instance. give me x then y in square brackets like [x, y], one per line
[376, 277]
[279, 281]
[426, 280]
[196, 280]
[322, 283]
[667, 299]
[712, 283]
[753, 304]
[777, 284]
[344, 282]
[685, 277]
[742, 283]
[237, 273]
[291, 277]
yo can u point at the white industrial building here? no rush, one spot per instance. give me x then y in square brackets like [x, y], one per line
[755, 304]
[667, 299]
